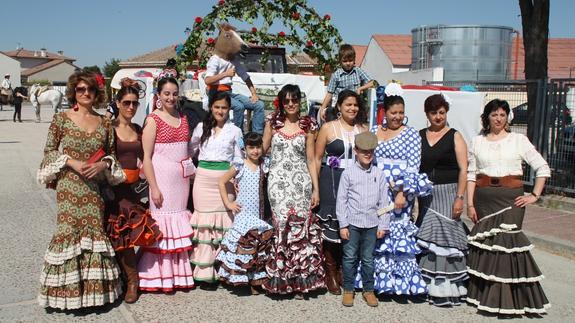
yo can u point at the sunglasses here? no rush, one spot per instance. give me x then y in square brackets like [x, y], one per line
[128, 103]
[287, 101]
[82, 89]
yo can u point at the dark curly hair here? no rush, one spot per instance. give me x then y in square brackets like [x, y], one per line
[491, 106]
[361, 117]
[90, 79]
[128, 86]
[434, 103]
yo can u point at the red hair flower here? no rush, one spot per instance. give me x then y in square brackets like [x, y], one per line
[309, 43]
[327, 17]
[295, 15]
[276, 103]
[221, 2]
[254, 30]
[281, 34]
[198, 20]
[211, 40]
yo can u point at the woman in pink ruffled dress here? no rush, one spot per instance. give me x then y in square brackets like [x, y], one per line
[165, 265]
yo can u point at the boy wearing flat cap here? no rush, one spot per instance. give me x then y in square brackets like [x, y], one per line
[362, 212]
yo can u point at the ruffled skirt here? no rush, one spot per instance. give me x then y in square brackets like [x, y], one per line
[210, 221]
[245, 250]
[444, 244]
[131, 225]
[296, 263]
[329, 182]
[504, 277]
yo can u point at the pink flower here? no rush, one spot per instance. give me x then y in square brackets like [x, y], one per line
[327, 17]
[198, 20]
[281, 34]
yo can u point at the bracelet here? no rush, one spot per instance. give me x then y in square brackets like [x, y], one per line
[459, 197]
[536, 196]
[470, 206]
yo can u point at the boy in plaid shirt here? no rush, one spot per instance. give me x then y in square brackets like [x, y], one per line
[348, 76]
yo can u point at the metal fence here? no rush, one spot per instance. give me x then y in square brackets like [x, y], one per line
[552, 130]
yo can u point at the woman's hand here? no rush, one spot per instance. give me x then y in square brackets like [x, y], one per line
[457, 209]
[314, 199]
[472, 214]
[381, 233]
[157, 197]
[399, 201]
[76, 165]
[524, 200]
[91, 170]
[234, 206]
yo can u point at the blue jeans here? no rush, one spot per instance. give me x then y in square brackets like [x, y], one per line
[360, 245]
[239, 104]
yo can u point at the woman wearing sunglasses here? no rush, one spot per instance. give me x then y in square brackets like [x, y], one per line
[79, 269]
[127, 223]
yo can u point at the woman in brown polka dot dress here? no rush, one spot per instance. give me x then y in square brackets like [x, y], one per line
[79, 269]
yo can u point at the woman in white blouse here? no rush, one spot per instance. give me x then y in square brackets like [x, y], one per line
[218, 142]
[504, 277]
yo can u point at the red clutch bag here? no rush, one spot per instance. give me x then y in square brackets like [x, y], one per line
[96, 156]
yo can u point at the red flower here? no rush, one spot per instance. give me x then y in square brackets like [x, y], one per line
[309, 43]
[276, 103]
[221, 2]
[254, 30]
[327, 17]
[281, 34]
[199, 20]
[211, 40]
[295, 15]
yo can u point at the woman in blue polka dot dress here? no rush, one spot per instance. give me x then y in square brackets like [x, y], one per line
[246, 247]
[399, 155]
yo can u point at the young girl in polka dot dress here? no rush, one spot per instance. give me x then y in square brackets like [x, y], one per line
[246, 246]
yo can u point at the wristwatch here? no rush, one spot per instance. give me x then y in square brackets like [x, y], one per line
[459, 197]
[536, 196]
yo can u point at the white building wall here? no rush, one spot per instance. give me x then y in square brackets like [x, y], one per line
[377, 64]
[418, 77]
[10, 66]
[58, 73]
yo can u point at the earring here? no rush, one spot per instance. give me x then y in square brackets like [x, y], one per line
[384, 123]
[159, 104]
[339, 115]
[75, 108]
[405, 119]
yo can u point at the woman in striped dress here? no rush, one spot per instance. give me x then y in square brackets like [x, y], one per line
[442, 235]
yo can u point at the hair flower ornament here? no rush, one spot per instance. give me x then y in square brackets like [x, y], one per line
[393, 88]
[447, 99]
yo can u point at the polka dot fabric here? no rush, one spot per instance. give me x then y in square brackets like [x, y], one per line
[396, 270]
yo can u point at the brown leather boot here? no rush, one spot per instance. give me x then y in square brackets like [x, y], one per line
[347, 299]
[370, 299]
[127, 260]
[331, 271]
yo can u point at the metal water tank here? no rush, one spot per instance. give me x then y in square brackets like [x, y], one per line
[466, 52]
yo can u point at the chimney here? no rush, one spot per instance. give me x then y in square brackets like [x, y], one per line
[61, 52]
[43, 52]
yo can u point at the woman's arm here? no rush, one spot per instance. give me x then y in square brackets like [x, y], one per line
[461, 156]
[320, 144]
[311, 165]
[267, 137]
[148, 141]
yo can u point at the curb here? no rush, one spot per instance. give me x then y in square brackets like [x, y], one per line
[557, 202]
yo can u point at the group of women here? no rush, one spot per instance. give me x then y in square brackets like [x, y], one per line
[297, 249]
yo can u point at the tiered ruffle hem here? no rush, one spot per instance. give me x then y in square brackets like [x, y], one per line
[504, 277]
[296, 262]
[444, 244]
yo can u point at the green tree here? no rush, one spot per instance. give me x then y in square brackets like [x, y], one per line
[535, 23]
[111, 67]
[93, 69]
[305, 30]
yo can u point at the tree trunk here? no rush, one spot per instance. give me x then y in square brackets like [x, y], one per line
[535, 23]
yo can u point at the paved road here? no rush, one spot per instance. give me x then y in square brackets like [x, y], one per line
[27, 215]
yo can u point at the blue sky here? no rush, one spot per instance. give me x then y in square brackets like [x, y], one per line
[96, 31]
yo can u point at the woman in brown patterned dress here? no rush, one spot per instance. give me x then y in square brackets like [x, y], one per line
[79, 269]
